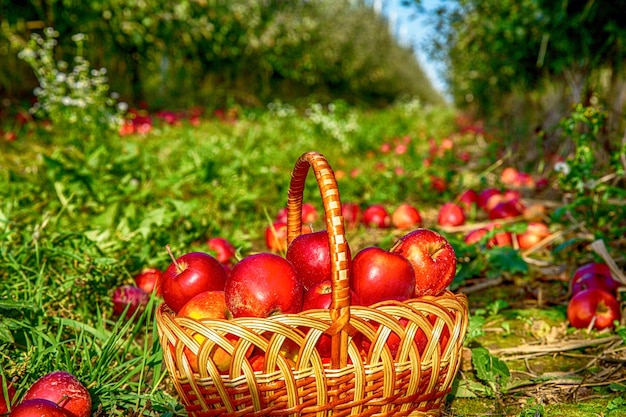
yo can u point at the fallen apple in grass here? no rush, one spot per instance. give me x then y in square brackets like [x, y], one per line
[432, 257]
[592, 267]
[224, 250]
[149, 279]
[593, 307]
[534, 233]
[263, 284]
[276, 237]
[131, 297]
[376, 216]
[406, 216]
[64, 390]
[451, 214]
[590, 280]
[38, 407]
[188, 276]
[351, 213]
[468, 199]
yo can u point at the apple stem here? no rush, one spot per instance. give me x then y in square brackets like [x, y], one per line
[169, 250]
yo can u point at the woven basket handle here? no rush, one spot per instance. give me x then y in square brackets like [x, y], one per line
[340, 305]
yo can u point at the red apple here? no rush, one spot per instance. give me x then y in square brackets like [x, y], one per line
[451, 214]
[320, 297]
[129, 295]
[509, 176]
[593, 267]
[379, 275]
[263, 284]
[310, 256]
[535, 233]
[351, 213]
[309, 213]
[593, 304]
[505, 210]
[149, 279]
[475, 235]
[224, 250]
[594, 280]
[485, 195]
[38, 407]
[208, 305]
[406, 216]
[438, 184]
[432, 257]
[63, 389]
[276, 237]
[468, 199]
[5, 402]
[188, 276]
[376, 216]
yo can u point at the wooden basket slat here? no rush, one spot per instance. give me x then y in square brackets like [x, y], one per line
[409, 383]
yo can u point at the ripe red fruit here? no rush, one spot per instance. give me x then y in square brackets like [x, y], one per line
[310, 256]
[485, 195]
[320, 297]
[432, 257]
[509, 176]
[534, 234]
[376, 216]
[63, 389]
[263, 284]
[309, 213]
[189, 275]
[129, 295]
[207, 305]
[149, 279]
[351, 213]
[593, 267]
[38, 407]
[505, 210]
[594, 280]
[224, 250]
[475, 235]
[451, 214]
[468, 199]
[379, 275]
[276, 237]
[593, 304]
[406, 216]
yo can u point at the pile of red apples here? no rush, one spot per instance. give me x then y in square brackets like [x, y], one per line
[56, 394]
[200, 286]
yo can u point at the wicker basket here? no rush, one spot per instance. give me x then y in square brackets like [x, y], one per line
[375, 367]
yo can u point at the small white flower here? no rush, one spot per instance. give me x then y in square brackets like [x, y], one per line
[122, 106]
[562, 167]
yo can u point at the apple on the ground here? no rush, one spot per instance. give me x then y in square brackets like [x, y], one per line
[149, 279]
[224, 250]
[276, 237]
[63, 389]
[593, 307]
[451, 214]
[376, 216]
[39, 407]
[406, 216]
[129, 296]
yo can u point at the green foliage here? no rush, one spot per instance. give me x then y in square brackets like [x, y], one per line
[76, 100]
[594, 196]
[490, 370]
[218, 51]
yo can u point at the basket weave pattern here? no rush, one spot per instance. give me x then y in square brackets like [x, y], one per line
[390, 359]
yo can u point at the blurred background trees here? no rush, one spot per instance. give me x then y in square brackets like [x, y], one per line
[219, 51]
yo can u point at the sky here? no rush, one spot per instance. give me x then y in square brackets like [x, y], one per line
[412, 29]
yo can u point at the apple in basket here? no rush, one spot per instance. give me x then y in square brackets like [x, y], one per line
[432, 257]
[188, 276]
[379, 275]
[319, 297]
[208, 305]
[263, 284]
[310, 255]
